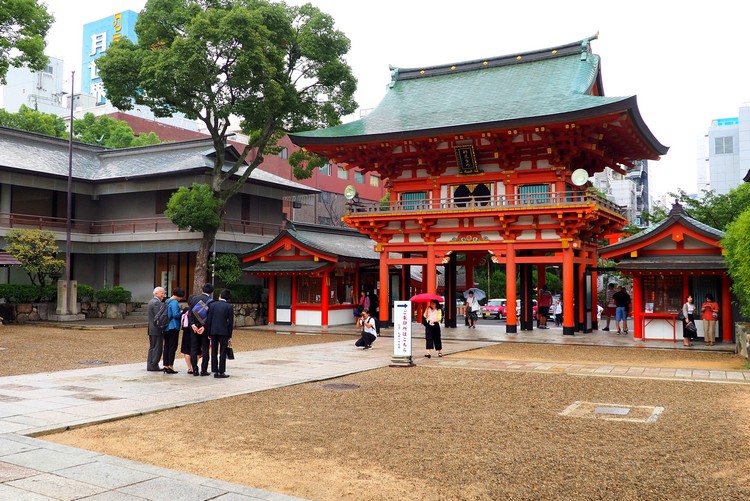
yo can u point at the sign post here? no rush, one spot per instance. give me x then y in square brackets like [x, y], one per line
[402, 334]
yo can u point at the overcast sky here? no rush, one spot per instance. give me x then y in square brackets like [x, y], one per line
[687, 63]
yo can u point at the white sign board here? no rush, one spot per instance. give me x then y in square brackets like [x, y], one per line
[402, 328]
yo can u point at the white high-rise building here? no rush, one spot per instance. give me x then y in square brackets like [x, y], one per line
[41, 90]
[728, 150]
[629, 191]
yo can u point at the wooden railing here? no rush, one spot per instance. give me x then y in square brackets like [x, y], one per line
[490, 203]
[128, 226]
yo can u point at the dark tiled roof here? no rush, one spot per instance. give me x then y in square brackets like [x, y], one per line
[44, 155]
[685, 262]
[344, 245]
[285, 266]
[544, 86]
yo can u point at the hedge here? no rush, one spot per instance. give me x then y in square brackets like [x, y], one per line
[116, 294]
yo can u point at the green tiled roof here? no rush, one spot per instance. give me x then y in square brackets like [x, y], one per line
[541, 87]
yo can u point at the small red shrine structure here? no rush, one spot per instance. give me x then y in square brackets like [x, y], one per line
[314, 273]
[480, 159]
[677, 257]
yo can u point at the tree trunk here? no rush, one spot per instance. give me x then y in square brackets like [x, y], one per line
[201, 261]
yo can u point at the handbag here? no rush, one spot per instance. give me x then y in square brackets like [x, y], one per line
[230, 350]
[680, 315]
[691, 328]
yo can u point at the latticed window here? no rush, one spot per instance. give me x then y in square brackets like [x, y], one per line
[308, 290]
[534, 193]
[414, 200]
[662, 294]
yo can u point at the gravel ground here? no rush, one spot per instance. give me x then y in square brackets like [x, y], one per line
[433, 433]
[27, 349]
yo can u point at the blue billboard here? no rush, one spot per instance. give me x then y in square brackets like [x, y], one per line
[97, 37]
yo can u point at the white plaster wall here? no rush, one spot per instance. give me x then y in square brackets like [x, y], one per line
[307, 317]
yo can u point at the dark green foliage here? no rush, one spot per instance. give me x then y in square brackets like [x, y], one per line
[116, 294]
[227, 268]
[85, 293]
[736, 241]
[243, 293]
[195, 208]
[34, 121]
[23, 293]
[23, 26]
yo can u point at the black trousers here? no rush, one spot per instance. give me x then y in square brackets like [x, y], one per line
[170, 346]
[432, 336]
[199, 345]
[219, 354]
[366, 339]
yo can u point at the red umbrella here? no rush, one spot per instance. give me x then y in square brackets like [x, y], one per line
[426, 298]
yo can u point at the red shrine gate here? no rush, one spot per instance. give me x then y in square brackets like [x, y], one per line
[493, 156]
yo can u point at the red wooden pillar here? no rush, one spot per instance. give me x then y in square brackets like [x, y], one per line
[324, 299]
[638, 304]
[541, 277]
[272, 300]
[510, 290]
[568, 292]
[431, 271]
[294, 299]
[725, 308]
[383, 293]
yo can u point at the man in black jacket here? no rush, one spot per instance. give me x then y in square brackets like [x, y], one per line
[219, 326]
[199, 342]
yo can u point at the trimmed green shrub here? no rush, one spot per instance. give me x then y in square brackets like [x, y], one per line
[116, 294]
[23, 293]
[85, 293]
[244, 293]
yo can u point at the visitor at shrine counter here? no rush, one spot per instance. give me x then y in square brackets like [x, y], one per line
[688, 310]
[710, 317]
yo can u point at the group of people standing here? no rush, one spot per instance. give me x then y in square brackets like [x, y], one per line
[199, 335]
[709, 314]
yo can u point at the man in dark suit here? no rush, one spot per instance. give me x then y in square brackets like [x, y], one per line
[155, 334]
[199, 342]
[219, 326]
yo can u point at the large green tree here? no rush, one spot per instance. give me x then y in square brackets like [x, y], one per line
[23, 26]
[736, 241]
[716, 210]
[279, 68]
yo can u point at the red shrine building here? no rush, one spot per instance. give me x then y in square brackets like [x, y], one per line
[490, 159]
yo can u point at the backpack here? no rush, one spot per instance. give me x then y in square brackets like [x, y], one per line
[161, 319]
[200, 311]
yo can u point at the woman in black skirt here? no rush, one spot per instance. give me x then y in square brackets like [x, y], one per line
[688, 310]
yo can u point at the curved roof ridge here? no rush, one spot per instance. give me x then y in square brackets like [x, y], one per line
[574, 48]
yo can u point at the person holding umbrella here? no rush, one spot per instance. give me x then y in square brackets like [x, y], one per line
[472, 309]
[432, 318]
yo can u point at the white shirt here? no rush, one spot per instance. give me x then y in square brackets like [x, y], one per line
[369, 326]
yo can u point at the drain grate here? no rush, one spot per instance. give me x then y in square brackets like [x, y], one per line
[340, 386]
[93, 362]
[614, 412]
